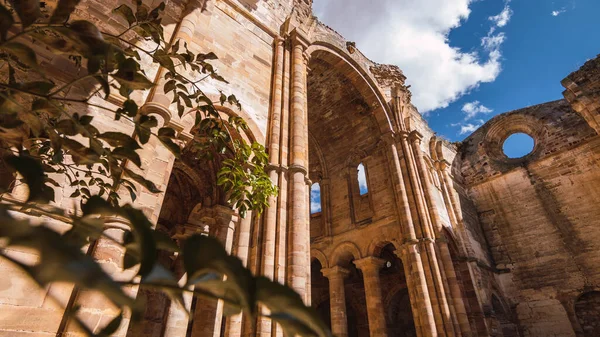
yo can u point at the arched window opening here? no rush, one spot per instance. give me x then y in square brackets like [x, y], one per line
[315, 198]
[362, 180]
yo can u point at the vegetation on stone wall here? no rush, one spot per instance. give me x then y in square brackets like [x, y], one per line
[46, 132]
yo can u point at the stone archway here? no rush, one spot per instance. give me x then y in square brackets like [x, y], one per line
[587, 309]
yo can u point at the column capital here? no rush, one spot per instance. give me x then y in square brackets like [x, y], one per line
[444, 164]
[369, 263]
[403, 134]
[298, 39]
[298, 168]
[335, 272]
[415, 135]
[154, 108]
[278, 41]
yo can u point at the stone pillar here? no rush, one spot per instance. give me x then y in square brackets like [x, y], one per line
[370, 267]
[208, 313]
[409, 252]
[234, 324]
[457, 296]
[299, 236]
[95, 310]
[424, 235]
[337, 299]
[177, 321]
[432, 222]
[267, 269]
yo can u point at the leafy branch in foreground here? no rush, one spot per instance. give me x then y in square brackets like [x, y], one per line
[47, 135]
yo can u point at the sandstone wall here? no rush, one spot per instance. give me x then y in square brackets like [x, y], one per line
[539, 214]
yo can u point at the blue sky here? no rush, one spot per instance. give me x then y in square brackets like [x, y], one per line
[470, 60]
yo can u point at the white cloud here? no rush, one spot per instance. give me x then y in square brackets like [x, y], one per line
[502, 19]
[413, 34]
[315, 198]
[362, 179]
[469, 127]
[558, 12]
[474, 108]
[493, 42]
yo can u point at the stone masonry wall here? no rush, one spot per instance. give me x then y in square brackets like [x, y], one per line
[539, 213]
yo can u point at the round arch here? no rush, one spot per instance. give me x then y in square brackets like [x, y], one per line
[344, 252]
[317, 254]
[252, 134]
[385, 236]
[358, 77]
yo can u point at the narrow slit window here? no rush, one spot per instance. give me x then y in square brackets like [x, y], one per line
[362, 180]
[315, 198]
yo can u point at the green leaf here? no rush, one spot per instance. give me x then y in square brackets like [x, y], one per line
[288, 309]
[60, 261]
[104, 83]
[126, 13]
[143, 127]
[129, 76]
[111, 327]
[171, 146]
[38, 87]
[142, 181]
[119, 139]
[164, 242]
[33, 174]
[204, 256]
[28, 11]
[144, 237]
[127, 153]
[164, 60]
[23, 53]
[155, 13]
[208, 56]
[130, 107]
[6, 21]
[67, 127]
[63, 10]
[84, 229]
[89, 35]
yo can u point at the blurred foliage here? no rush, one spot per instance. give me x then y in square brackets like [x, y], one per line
[47, 134]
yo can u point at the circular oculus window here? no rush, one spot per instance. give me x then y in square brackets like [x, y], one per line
[518, 145]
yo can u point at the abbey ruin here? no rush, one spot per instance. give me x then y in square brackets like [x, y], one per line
[446, 239]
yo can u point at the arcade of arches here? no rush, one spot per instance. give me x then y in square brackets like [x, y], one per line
[384, 228]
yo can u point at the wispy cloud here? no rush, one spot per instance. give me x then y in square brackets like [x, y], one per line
[468, 128]
[503, 17]
[474, 108]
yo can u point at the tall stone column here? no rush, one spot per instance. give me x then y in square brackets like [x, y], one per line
[208, 313]
[269, 244]
[234, 324]
[177, 321]
[299, 236]
[337, 299]
[409, 252]
[458, 300]
[424, 236]
[430, 216]
[370, 267]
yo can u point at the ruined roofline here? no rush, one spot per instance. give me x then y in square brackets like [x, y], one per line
[510, 112]
[396, 69]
